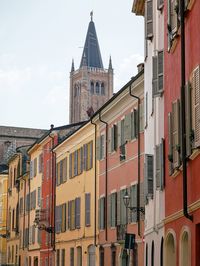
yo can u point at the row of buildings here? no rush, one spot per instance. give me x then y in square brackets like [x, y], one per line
[73, 196]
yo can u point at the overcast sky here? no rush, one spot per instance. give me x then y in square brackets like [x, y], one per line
[39, 38]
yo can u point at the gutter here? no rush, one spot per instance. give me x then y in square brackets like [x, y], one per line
[95, 186]
[183, 125]
[106, 178]
[139, 176]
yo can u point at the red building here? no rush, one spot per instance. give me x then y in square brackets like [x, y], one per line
[182, 67]
[121, 172]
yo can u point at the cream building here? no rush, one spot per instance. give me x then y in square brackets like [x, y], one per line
[76, 206]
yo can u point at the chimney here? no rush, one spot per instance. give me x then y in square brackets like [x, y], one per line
[140, 67]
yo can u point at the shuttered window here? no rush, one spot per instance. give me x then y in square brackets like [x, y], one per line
[114, 138]
[39, 196]
[87, 209]
[122, 132]
[73, 214]
[157, 79]
[40, 163]
[149, 19]
[71, 256]
[127, 127]
[102, 213]
[78, 212]
[142, 116]
[70, 165]
[134, 124]
[63, 257]
[188, 119]
[21, 201]
[160, 4]
[58, 219]
[33, 234]
[122, 207]
[35, 167]
[119, 133]
[31, 169]
[196, 106]
[176, 147]
[64, 170]
[63, 224]
[172, 20]
[159, 157]
[170, 144]
[102, 147]
[113, 209]
[148, 176]
[133, 203]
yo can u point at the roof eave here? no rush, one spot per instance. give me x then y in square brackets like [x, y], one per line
[138, 7]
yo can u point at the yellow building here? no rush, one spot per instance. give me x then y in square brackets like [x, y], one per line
[76, 208]
[3, 215]
[13, 237]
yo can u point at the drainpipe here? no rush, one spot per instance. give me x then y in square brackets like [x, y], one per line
[53, 191]
[183, 126]
[95, 186]
[106, 177]
[138, 134]
[24, 211]
[29, 191]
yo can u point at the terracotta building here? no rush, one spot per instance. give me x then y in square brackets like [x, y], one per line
[91, 85]
[182, 132]
[120, 153]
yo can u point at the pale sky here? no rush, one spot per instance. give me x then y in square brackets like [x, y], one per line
[39, 38]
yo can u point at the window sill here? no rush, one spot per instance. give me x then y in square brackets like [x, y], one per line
[176, 172]
[194, 154]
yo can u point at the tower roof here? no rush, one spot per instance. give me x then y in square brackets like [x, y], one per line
[91, 52]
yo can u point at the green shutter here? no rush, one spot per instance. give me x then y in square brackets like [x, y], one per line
[176, 133]
[160, 71]
[127, 127]
[118, 208]
[158, 166]
[119, 133]
[155, 76]
[148, 176]
[149, 19]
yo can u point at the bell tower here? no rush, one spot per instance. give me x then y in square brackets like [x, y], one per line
[91, 85]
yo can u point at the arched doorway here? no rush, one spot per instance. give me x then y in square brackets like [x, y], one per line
[124, 258]
[185, 249]
[91, 255]
[152, 253]
[170, 250]
[161, 252]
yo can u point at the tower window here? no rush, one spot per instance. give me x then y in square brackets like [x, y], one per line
[92, 87]
[97, 88]
[102, 89]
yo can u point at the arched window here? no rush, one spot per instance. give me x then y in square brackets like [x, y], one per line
[152, 253]
[92, 87]
[97, 88]
[146, 257]
[170, 250]
[75, 90]
[79, 256]
[161, 252]
[185, 249]
[102, 89]
[91, 255]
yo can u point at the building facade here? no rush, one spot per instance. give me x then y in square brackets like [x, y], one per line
[182, 88]
[3, 214]
[121, 173]
[154, 92]
[91, 85]
[76, 211]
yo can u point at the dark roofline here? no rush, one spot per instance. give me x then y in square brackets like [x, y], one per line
[52, 129]
[118, 93]
[106, 104]
[18, 137]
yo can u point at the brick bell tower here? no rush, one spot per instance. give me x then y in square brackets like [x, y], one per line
[91, 85]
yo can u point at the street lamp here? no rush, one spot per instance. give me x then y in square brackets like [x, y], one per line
[127, 199]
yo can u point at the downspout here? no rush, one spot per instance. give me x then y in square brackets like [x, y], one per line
[24, 211]
[183, 126]
[106, 177]
[138, 186]
[95, 186]
[53, 193]
[29, 191]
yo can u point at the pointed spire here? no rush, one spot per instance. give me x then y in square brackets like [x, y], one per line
[72, 68]
[110, 64]
[91, 52]
[84, 62]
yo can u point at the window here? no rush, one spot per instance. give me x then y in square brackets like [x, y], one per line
[79, 256]
[159, 157]
[71, 214]
[71, 256]
[63, 257]
[122, 208]
[40, 163]
[97, 88]
[113, 209]
[102, 89]
[21, 203]
[78, 213]
[35, 167]
[157, 80]
[113, 258]
[61, 169]
[39, 196]
[149, 19]
[57, 257]
[133, 203]
[170, 250]
[134, 124]
[148, 175]
[92, 87]
[102, 145]
[102, 213]
[113, 138]
[172, 21]
[87, 209]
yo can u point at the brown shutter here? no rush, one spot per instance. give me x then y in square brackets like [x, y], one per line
[170, 144]
[149, 19]
[176, 133]
[188, 118]
[196, 88]
[65, 169]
